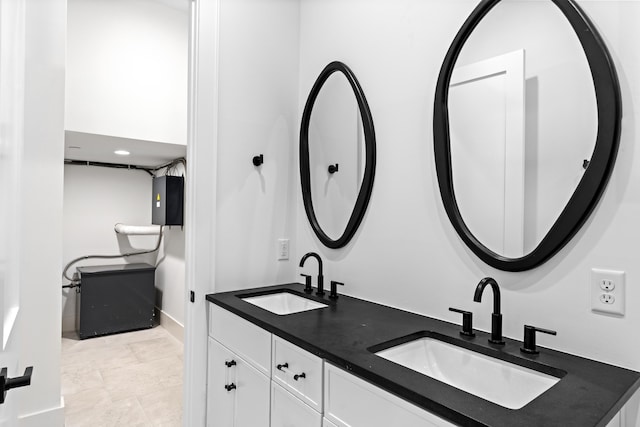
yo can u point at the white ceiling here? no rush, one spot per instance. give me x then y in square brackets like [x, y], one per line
[100, 148]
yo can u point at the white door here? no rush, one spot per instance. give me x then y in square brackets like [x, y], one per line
[12, 60]
[486, 114]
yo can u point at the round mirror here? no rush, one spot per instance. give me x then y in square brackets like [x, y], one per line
[337, 155]
[526, 128]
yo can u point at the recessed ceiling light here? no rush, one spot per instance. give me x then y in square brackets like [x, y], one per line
[122, 152]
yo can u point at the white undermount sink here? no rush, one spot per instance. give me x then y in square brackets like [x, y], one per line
[284, 303]
[498, 381]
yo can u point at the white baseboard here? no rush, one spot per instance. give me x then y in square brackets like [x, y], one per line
[172, 325]
[53, 417]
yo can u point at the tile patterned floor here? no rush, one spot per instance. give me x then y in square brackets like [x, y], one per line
[129, 379]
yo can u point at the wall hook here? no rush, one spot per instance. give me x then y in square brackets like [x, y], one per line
[585, 163]
[333, 168]
[258, 160]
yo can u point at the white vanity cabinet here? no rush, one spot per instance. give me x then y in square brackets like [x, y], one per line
[352, 402]
[254, 382]
[256, 379]
[238, 382]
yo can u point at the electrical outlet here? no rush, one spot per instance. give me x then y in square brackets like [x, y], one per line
[607, 299]
[607, 291]
[607, 285]
[283, 249]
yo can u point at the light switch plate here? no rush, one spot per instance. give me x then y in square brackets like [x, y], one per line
[608, 291]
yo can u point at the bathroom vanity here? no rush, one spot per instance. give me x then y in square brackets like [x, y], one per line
[315, 364]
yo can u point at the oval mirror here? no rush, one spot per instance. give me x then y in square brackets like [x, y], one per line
[526, 128]
[337, 155]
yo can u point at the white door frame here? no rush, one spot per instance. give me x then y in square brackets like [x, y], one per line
[200, 201]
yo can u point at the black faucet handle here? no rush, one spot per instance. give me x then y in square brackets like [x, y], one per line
[334, 289]
[307, 283]
[467, 322]
[529, 346]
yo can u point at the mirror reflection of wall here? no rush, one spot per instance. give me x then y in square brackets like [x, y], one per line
[335, 138]
[514, 171]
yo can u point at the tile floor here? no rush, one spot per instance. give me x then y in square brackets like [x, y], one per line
[128, 379]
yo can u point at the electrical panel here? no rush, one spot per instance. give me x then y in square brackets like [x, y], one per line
[168, 200]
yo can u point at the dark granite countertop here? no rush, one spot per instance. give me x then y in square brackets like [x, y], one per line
[589, 394]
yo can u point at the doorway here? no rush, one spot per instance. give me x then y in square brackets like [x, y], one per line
[125, 124]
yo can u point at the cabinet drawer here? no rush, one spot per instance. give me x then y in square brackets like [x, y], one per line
[242, 337]
[353, 402]
[287, 410]
[298, 371]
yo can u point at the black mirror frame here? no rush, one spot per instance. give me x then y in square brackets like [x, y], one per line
[598, 172]
[366, 187]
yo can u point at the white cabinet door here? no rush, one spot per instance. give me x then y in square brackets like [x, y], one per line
[289, 411]
[238, 394]
[352, 402]
[220, 402]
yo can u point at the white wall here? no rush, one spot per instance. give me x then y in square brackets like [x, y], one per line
[406, 253]
[41, 228]
[97, 198]
[258, 66]
[127, 69]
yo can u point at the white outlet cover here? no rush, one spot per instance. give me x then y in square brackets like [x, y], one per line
[603, 301]
[283, 249]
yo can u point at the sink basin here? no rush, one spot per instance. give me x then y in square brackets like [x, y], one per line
[284, 303]
[498, 381]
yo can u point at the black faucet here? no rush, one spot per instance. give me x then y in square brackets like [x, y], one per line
[496, 317]
[320, 291]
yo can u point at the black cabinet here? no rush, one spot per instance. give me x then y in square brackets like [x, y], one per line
[115, 298]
